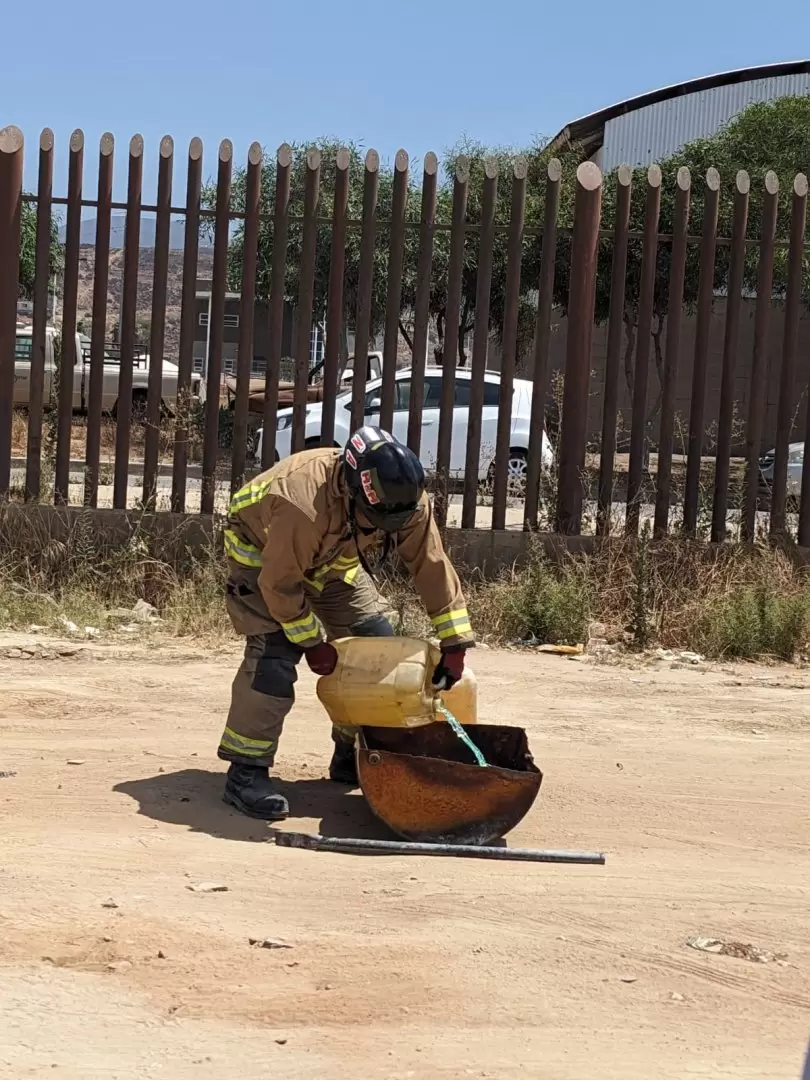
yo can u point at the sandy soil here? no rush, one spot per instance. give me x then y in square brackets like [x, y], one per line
[694, 782]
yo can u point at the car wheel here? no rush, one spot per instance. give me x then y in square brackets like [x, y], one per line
[515, 474]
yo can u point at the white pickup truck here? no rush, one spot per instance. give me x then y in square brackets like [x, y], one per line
[81, 375]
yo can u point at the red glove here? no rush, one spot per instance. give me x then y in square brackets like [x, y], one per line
[322, 658]
[449, 669]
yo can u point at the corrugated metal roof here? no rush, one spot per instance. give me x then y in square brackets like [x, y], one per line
[657, 130]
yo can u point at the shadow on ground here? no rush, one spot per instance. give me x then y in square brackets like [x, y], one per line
[193, 797]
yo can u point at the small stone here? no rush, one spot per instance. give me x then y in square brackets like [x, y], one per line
[76, 761]
[675, 996]
[281, 1042]
[120, 966]
[145, 612]
[629, 979]
[68, 625]
[162, 955]
[14, 654]
[107, 938]
[109, 903]
[207, 887]
[269, 943]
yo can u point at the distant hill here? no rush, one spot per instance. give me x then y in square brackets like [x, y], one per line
[118, 228]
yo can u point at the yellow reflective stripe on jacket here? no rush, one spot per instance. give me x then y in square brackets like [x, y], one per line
[346, 567]
[452, 624]
[240, 551]
[249, 494]
[241, 744]
[304, 631]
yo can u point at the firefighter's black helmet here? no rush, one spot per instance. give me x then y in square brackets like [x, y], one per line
[385, 479]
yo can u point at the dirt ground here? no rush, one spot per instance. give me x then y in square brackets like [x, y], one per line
[693, 781]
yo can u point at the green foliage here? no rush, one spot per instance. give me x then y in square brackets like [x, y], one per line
[755, 622]
[28, 243]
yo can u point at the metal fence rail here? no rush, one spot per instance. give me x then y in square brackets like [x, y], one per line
[550, 260]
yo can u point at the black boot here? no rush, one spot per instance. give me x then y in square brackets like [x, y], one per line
[343, 766]
[250, 790]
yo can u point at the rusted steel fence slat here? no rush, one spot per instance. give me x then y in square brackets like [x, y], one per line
[483, 291]
[334, 307]
[11, 174]
[101, 274]
[42, 280]
[306, 295]
[188, 311]
[365, 285]
[677, 274]
[509, 350]
[129, 300]
[396, 253]
[573, 431]
[450, 343]
[421, 321]
[542, 342]
[278, 269]
[69, 359]
[730, 344]
[759, 364]
[618, 285]
[216, 325]
[697, 407]
[804, 506]
[250, 248]
[790, 350]
[641, 375]
[157, 332]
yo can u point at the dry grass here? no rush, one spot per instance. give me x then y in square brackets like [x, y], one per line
[725, 602]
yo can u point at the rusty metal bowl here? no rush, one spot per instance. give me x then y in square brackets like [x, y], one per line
[423, 783]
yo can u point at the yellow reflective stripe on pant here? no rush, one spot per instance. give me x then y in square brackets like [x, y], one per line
[452, 624]
[241, 744]
[249, 494]
[304, 631]
[240, 551]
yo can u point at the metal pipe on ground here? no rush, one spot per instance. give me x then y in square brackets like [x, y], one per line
[354, 846]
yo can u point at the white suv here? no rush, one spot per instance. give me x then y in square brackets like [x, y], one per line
[519, 439]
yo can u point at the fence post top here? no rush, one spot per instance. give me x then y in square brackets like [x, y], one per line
[589, 176]
[520, 168]
[313, 158]
[771, 182]
[284, 155]
[491, 168]
[77, 141]
[800, 185]
[431, 163]
[624, 176]
[11, 139]
[654, 176]
[255, 153]
[462, 168]
[372, 162]
[136, 146]
[712, 179]
[46, 139]
[195, 149]
[743, 182]
[554, 170]
[106, 144]
[225, 150]
[401, 161]
[684, 178]
[166, 146]
[342, 159]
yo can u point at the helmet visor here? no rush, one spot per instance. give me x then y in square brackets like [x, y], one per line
[388, 519]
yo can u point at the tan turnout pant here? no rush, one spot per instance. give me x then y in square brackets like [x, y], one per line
[263, 689]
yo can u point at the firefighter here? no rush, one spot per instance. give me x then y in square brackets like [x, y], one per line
[300, 541]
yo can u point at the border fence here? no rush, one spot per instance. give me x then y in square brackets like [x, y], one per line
[583, 241]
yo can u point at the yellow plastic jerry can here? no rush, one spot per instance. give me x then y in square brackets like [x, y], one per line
[386, 682]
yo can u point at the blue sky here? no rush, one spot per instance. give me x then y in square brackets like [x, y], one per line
[416, 75]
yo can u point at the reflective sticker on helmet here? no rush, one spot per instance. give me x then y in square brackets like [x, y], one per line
[387, 436]
[352, 460]
[368, 487]
[358, 444]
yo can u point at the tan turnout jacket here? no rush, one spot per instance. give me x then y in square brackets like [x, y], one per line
[291, 523]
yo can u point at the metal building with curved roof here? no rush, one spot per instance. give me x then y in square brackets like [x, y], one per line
[652, 126]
